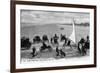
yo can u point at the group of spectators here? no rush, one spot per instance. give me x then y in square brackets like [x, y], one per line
[82, 45]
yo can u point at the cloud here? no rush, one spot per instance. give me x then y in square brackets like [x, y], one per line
[48, 17]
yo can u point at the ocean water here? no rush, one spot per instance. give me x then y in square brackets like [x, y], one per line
[51, 29]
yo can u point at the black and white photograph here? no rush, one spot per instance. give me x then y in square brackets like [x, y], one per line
[53, 36]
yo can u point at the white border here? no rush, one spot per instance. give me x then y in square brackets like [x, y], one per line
[61, 62]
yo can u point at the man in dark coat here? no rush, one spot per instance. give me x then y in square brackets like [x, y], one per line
[55, 39]
[63, 54]
[33, 51]
[81, 46]
[87, 43]
[57, 51]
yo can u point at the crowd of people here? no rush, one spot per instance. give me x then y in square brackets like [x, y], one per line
[82, 45]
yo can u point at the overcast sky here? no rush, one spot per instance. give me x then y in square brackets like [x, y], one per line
[32, 17]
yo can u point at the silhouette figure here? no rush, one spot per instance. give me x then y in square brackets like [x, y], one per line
[33, 51]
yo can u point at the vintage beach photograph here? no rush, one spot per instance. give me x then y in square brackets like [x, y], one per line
[54, 35]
